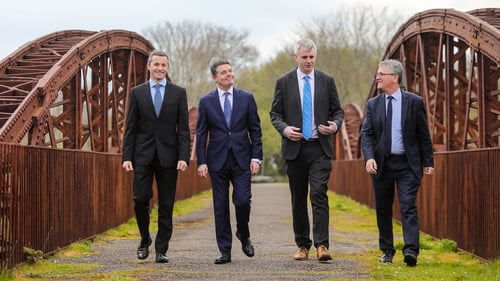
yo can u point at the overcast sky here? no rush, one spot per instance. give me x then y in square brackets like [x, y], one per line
[270, 22]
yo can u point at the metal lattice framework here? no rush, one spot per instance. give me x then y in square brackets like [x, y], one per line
[452, 60]
[69, 89]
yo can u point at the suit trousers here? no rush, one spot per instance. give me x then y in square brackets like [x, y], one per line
[396, 171]
[311, 167]
[240, 178]
[166, 179]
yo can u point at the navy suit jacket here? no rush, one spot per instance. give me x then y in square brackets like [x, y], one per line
[214, 137]
[416, 138]
[286, 110]
[167, 135]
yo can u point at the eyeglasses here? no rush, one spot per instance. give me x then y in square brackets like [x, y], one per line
[378, 74]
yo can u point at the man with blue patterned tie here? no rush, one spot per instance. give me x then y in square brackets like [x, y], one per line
[156, 145]
[229, 147]
[306, 112]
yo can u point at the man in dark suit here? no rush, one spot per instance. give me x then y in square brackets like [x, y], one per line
[397, 148]
[156, 144]
[306, 112]
[229, 147]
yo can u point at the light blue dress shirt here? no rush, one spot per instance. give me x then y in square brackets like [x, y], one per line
[397, 145]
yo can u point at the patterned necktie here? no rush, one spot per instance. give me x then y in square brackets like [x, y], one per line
[157, 99]
[388, 127]
[227, 108]
[306, 110]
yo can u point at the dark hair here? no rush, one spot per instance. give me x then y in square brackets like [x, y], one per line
[213, 67]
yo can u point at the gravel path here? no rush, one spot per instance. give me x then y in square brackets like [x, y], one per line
[193, 248]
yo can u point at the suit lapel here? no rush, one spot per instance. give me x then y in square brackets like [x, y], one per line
[294, 89]
[381, 108]
[405, 108]
[148, 97]
[214, 99]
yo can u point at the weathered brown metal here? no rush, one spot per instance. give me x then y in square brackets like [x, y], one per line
[452, 60]
[459, 202]
[69, 89]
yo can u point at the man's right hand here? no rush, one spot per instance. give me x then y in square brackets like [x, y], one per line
[371, 166]
[127, 166]
[203, 170]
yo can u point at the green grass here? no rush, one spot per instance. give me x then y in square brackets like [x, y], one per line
[438, 260]
[50, 268]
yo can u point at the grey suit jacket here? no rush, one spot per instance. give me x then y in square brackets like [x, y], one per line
[286, 109]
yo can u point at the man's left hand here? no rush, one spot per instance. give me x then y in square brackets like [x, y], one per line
[327, 130]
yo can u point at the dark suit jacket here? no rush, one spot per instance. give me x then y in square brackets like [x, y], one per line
[416, 138]
[286, 109]
[167, 135]
[213, 137]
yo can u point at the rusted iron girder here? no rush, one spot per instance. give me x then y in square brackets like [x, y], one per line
[452, 60]
[78, 99]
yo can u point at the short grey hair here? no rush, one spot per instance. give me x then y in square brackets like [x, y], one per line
[395, 67]
[307, 44]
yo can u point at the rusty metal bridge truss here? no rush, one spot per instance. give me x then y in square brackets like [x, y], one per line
[69, 89]
[452, 60]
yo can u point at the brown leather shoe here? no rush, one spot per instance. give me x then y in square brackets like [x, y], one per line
[301, 254]
[323, 254]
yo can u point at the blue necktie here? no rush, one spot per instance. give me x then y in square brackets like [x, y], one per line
[157, 99]
[388, 127]
[227, 108]
[306, 110]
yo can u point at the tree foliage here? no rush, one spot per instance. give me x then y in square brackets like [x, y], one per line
[192, 46]
[350, 41]
[350, 44]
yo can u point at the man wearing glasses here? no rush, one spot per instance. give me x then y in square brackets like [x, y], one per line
[397, 148]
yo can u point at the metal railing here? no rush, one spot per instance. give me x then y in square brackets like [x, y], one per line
[50, 198]
[461, 201]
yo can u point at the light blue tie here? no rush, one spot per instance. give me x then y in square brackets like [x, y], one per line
[227, 108]
[306, 110]
[157, 99]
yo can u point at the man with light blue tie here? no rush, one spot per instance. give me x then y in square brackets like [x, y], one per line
[306, 112]
[156, 146]
[229, 148]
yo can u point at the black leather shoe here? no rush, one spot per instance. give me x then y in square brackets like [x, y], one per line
[246, 245]
[387, 257]
[143, 250]
[161, 258]
[224, 258]
[410, 260]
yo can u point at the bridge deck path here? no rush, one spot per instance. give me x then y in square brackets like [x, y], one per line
[193, 248]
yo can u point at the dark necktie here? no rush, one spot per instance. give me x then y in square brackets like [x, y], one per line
[306, 110]
[388, 126]
[157, 99]
[227, 108]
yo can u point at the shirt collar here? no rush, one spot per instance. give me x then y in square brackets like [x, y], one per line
[301, 75]
[221, 92]
[397, 95]
[162, 82]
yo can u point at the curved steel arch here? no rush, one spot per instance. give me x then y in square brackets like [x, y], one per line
[452, 60]
[69, 89]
